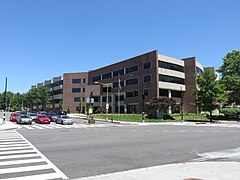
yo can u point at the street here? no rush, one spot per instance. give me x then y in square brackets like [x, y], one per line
[83, 152]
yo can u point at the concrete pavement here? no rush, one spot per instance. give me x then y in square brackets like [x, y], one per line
[180, 171]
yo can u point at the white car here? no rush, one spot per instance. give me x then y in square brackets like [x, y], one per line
[63, 119]
[24, 119]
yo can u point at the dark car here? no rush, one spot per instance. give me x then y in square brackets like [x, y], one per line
[52, 116]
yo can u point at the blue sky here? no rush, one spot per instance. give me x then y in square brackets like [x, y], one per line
[40, 39]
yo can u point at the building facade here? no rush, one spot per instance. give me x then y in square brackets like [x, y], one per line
[129, 85]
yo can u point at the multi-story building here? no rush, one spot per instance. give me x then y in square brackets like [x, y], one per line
[129, 85]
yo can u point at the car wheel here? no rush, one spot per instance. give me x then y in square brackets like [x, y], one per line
[62, 122]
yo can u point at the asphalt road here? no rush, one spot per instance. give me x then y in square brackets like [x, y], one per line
[92, 151]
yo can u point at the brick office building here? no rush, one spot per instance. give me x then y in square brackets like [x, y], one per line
[150, 74]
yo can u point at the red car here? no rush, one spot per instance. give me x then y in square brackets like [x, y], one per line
[14, 116]
[42, 118]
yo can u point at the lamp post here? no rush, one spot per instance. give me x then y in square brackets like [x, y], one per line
[107, 104]
[5, 102]
[181, 106]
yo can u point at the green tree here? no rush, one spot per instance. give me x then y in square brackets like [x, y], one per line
[162, 104]
[209, 92]
[230, 76]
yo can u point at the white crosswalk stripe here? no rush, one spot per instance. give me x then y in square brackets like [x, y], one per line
[53, 125]
[19, 159]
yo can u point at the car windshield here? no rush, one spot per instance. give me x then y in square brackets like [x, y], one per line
[65, 117]
[42, 116]
[32, 114]
[24, 116]
[16, 115]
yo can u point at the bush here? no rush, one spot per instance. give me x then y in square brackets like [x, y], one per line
[231, 113]
[168, 116]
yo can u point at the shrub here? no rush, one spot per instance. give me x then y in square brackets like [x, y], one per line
[233, 113]
[168, 116]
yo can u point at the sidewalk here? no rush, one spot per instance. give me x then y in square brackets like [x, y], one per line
[8, 125]
[181, 171]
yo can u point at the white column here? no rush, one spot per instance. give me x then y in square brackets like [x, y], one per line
[113, 103]
[169, 95]
[101, 101]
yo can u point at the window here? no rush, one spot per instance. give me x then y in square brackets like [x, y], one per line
[96, 78]
[198, 70]
[147, 78]
[96, 99]
[121, 98]
[48, 86]
[105, 89]
[131, 94]
[77, 99]
[146, 92]
[171, 79]
[147, 65]
[84, 80]
[132, 69]
[83, 90]
[131, 81]
[107, 75]
[176, 93]
[104, 99]
[58, 83]
[115, 84]
[76, 81]
[59, 91]
[76, 90]
[170, 66]
[118, 72]
[83, 99]
[163, 92]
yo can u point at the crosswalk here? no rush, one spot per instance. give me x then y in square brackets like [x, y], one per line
[59, 126]
[20, 160]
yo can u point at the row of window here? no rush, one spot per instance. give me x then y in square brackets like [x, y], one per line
[119, 72]
[79, 99]
[171, 79]
[78, 90]
[170, 66]
[164, 92]
[78, 81]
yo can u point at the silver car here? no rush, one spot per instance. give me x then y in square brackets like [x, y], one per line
[24, 119]
[63, 119]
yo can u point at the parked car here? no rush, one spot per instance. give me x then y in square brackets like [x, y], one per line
[24, 119]
[63, 119]
[62, 112]
[33, 115]
[14, 116]
[42, 118]
[52, 116]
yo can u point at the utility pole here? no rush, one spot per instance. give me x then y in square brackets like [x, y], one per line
[119, 88]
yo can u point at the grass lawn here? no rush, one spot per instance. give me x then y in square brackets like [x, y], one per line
[138, 117]
[130, 118]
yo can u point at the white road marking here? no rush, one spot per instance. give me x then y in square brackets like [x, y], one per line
[11, 145]
[14, 148]
[45, 126]
[28, 127]
[19, 156]
[24, 169]
[14, 142]
[58, 171]
[41, 176]
[14, 139]
[16, 152]
[4, 163]
[37, 127]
